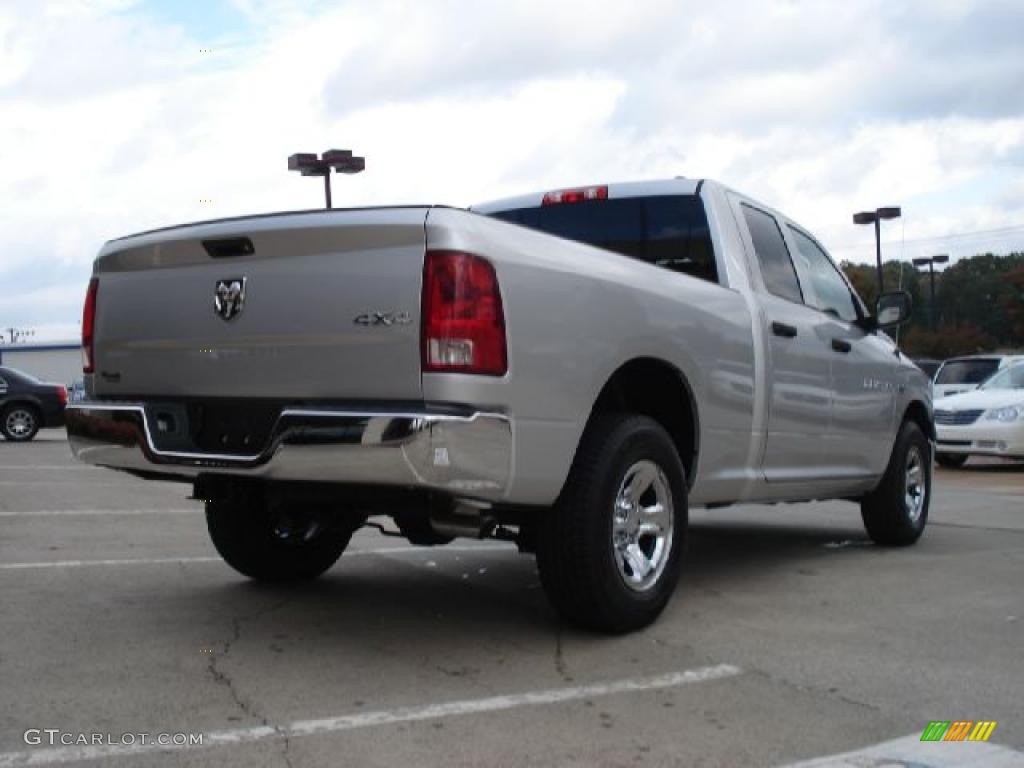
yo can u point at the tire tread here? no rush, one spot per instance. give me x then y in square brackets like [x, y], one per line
[883, 510]
[570, 551]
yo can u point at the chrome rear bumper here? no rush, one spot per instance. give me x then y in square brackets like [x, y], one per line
[465, 455]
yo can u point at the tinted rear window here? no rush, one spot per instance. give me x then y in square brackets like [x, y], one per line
[966, 371]
[670, 231]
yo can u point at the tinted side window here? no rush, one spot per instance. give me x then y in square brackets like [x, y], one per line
[670, 231]
[776, 265]
[829, 288]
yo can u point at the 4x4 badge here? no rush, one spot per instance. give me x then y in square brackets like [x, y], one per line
[382, 318]
[229, 297]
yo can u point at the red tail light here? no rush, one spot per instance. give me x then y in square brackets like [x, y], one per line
[88, 326]
[463, 323]
[575, 195]
[62, 393]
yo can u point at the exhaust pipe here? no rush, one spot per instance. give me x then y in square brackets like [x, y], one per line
[466, 519]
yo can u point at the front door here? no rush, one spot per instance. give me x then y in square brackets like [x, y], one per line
[863, 366]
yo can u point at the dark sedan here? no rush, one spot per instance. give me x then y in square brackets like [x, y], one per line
[27, 405]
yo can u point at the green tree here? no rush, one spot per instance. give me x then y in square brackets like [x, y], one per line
[976, 292]
[1013, 303]
[979, 303]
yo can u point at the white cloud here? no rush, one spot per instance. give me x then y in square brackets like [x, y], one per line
[111, 120]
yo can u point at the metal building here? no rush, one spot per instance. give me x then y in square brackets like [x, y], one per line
[59, 362]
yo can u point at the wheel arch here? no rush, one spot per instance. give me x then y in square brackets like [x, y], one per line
[655, 388]
[23, 400]
[917, 412]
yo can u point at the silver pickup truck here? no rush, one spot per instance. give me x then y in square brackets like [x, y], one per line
[569, 370]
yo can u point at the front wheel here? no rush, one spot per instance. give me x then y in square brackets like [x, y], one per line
[610, 551]
[273, 543]
[896, 512]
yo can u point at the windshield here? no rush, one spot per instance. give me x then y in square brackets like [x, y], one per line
[966, 371]
[1011, 378]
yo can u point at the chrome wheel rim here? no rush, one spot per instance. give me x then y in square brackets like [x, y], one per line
[20, 423]
[915, 488]
[294, 530]
[642, 525]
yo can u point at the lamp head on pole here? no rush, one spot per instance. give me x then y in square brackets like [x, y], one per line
[341, 160]
[305, 163]
[924, 261]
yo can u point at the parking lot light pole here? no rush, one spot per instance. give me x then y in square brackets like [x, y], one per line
[931, 261]
[875, 217]
[341, 160]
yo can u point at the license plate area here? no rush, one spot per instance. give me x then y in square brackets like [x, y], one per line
[212, 427]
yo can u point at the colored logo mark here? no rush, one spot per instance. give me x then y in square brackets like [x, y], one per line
[958, 730]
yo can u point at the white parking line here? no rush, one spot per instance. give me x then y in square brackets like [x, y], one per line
[177, 560]
[98, 512]
[80, 563]
[61, 467]
[90, 483]
[56, 755]
[910, 750]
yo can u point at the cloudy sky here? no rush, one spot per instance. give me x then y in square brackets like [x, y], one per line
[120, 115]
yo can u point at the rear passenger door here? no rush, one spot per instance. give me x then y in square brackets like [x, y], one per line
[862, 365]
[798, 371]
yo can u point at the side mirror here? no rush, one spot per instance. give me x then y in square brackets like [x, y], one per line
[892, 309]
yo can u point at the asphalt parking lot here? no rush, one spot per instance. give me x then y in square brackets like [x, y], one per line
[790, 638]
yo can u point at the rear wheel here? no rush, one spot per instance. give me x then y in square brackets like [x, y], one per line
[19, 422]
[895, 513]
[611, 549]
[273, 542]
[950, 460]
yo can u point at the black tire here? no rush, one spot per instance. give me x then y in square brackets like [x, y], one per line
[950, 460]
[19, 422]
[576, 555]
[274, 544]
[891, 513]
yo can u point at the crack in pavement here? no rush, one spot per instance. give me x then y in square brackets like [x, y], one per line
[223, 678]
[832, 693]
[560, 666]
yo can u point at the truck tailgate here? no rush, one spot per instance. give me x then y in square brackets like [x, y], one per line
[330, 308]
